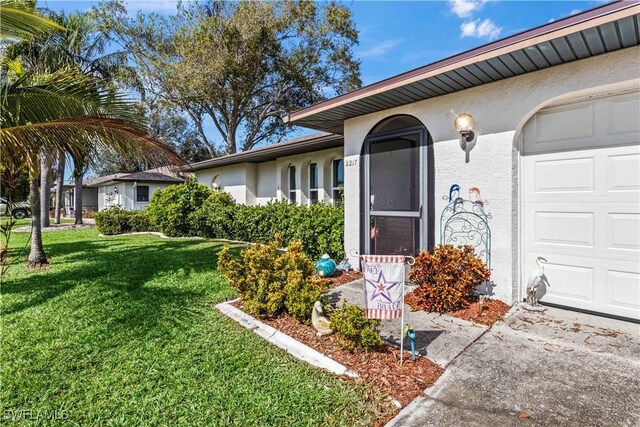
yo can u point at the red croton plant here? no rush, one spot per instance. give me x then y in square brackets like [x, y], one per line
[446, 277]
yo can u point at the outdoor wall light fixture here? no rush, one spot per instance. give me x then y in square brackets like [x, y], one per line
[464, 125]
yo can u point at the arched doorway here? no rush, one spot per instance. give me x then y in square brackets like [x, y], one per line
[397, 188]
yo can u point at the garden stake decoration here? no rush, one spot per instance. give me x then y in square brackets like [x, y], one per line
[384, 277]
[411, 334]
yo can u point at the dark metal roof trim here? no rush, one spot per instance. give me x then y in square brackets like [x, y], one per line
[305, 144]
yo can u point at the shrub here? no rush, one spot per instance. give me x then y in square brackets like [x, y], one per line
[271, 281]
[319, 227]
[447, 276]
[191, 209]
[139, 221]
[115, 220]
[214, 220]
[171, 209]
[354, 330]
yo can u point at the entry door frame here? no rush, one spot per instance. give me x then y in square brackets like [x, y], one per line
[366, 199]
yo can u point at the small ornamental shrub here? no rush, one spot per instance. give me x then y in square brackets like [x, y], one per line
[271, 281]
[354, 330]
[115, 220]
[446, 277]
[171, 209]
[300, 297]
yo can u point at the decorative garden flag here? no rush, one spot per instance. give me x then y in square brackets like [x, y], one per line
[383, 285]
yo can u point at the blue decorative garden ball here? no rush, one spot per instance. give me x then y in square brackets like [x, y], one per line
[325, 267]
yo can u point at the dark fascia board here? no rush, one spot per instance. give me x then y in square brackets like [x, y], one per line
[511, 43]
[146, 180]
[271, 152]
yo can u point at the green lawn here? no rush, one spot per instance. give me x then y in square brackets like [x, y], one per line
[123, 331]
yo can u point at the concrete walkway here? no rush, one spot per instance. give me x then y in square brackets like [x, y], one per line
[439, 337]
[558, 368]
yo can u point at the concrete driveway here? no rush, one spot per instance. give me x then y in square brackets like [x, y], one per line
[559, 368]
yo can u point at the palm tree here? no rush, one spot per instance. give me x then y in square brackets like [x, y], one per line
[45, 187]
[65, 111]
[20, 21]
[60, 166]
[70, 112]
[83, 46]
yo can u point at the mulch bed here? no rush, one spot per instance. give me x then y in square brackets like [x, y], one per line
[379, 368]
[488, 313]
[341, 278]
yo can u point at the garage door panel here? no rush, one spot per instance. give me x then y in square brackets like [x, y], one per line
[593, 284]
[623, 291]
[623, 174]
[623, 232]
[569, 283]
[564, 175]
[564, 228]
[581, 203]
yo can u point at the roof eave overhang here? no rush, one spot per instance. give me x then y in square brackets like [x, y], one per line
[270, 152]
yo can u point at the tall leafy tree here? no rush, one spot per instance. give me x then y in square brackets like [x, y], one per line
[243, 65]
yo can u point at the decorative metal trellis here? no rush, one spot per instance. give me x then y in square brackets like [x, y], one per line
[465, 222]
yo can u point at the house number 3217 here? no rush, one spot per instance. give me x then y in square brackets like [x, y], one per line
[352, 162]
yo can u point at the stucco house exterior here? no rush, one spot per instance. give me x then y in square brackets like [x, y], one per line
[554, 157]
[304, 170]
[131, 191]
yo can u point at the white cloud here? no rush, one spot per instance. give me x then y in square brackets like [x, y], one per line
[575, 12]
[465, 8]
[382, 48]
[480, 29]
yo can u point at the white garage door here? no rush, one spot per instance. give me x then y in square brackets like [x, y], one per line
[581, 195]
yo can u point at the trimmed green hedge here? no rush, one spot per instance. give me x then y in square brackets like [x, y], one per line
[192, 209]
[116, 220]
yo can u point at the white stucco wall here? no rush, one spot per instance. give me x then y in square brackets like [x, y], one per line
[266, 188]
[126, 194]
[232, 179]
[260, 183]
[499, 109]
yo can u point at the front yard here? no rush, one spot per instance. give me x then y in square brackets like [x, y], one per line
[122, 331]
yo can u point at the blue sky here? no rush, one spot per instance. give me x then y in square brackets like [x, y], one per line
[398, 36]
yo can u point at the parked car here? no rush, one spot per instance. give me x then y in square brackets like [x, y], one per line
[18, 210]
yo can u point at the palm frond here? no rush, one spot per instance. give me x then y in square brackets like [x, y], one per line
[64, 95]
[19, 20]
[77, 136]
[77, 114]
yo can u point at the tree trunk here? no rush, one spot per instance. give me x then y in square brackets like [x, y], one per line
[78, 199]
[45, 189]
[37, 257]
[59, 185]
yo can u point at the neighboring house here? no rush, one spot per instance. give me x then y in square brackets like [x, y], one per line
[303, 170]
[131, 191]
[89, 198]
[556, 114]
